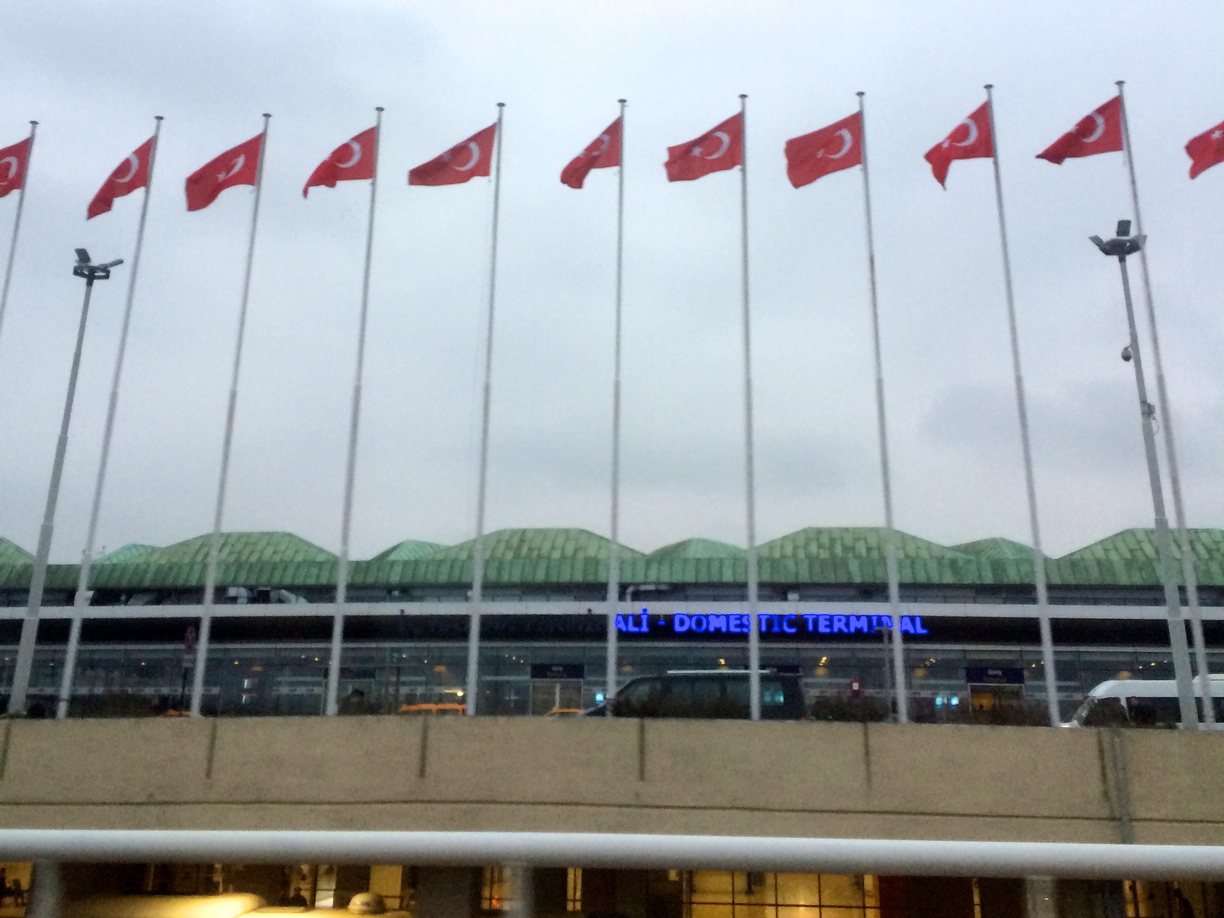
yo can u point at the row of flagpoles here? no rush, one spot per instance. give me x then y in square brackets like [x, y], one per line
[836, 147]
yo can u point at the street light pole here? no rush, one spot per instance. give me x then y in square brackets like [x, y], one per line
[29, 627]
[1120, 247]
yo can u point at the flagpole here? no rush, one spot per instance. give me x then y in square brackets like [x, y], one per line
[614, 547]
[350, 469]
[214, 545]
[471, 692]
[12, 252]
[754, 632]
[892, 565]
[1039, 570]
[81, 600]
[1162, 396]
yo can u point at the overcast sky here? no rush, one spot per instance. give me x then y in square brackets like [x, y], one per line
[94, 75]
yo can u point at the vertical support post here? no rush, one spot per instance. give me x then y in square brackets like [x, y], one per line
[81, 600]
[12, 252]
[1030, 485]
[1189, 574]
[38, 577]
[754, 628]
[1164, 546]
[350, 466]
[472, 691]
[891, 562]
[214, 544]
[614, 547]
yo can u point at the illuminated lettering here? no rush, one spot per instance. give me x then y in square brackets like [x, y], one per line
[810, 619]
[738, 625]
[700, 622]
[788, 624]
[907, 626]
[680, 623]
[859, 623]
[822, 624]
[718, 623]
[839, 624]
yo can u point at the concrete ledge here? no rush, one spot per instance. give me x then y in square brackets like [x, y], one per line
[661, 777]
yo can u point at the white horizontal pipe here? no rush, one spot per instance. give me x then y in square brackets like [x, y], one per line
[684, 852]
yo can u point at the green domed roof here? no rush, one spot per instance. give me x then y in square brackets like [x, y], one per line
[240, 546]
[537, 545]
[409, 550]
[12, 553]
[698, 548]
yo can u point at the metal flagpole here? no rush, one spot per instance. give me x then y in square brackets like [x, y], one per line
[754, 630]
[471, 692]
[890, 532]
[614, 547]
[38, 578]
[82, 593]
[350, 470]
[214, 545]
[1162, 396]
[1120, 247]
[12, 252]
[1039, 569]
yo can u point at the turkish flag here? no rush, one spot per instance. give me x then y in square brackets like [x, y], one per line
[13, 163]
[971, 139]
[714, 151]
[831, 149]
[461, 163]
[1206, 150]
[129, 175]
[238, 166]
[350, 161]
[1099, 132]
[601, 153]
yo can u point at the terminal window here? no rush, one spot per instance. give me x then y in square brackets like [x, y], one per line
[713, 894]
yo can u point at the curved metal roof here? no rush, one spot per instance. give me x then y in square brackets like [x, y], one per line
[560, 557]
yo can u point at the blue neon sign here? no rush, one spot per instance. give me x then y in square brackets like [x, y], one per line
[767, 623]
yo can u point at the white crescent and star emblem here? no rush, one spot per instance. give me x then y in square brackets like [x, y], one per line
[971, 139]
[356, 157]
[724, 143]
[847, 143]
[1098, 128]
[11, 162]
[132, 163]
[470, 145]
[233, 170]
[603, 140]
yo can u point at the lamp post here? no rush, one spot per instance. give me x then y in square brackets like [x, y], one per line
[1120, 247]
[29, 627]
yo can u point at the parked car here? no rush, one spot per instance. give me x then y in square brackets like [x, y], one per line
[711, 694]
[1142, 703]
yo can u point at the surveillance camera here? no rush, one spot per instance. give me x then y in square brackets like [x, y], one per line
[1127, 355]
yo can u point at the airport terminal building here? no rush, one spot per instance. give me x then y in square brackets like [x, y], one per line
[969, 631]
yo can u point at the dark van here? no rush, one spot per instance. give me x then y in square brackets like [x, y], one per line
[712, 694]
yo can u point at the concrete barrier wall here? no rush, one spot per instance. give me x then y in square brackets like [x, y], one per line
[576, 775]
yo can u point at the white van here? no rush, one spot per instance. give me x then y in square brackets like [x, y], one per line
[1142, 702]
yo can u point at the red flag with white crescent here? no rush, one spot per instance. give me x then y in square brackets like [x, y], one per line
[352, 160]
[971, 139]
[603, 152]
[718, 149]
[461, 163]
[13, 163]
[1100, 131]
[238, 166]
[831, 149]
[129, 175]
[1206, 150]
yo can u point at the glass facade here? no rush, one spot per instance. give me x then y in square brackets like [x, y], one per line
[270, 679]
